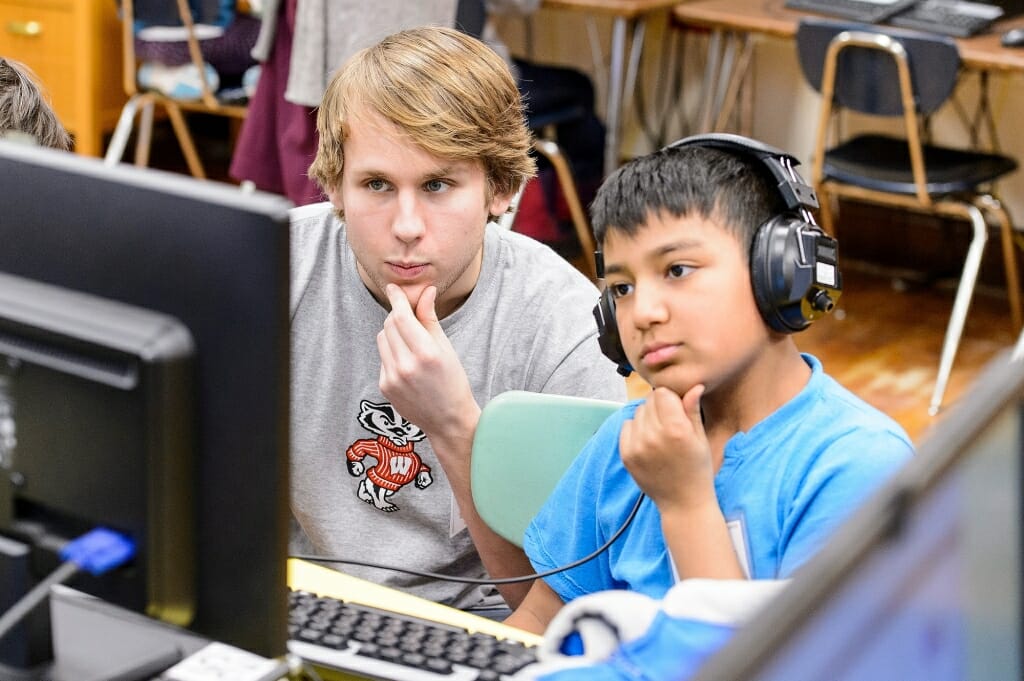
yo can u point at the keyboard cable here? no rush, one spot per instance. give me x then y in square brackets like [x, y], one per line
[486, 582]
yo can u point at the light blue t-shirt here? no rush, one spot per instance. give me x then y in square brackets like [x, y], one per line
[783, 488]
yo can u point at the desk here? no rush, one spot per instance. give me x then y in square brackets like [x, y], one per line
[628, 16]
[733, 23]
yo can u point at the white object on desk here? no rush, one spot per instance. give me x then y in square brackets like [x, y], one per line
[221, 662]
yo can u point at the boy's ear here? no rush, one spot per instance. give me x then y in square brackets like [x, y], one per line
[607, 325]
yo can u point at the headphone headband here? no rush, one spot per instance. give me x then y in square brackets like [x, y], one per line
[797, 194]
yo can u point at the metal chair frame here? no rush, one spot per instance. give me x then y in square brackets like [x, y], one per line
[141, 103]
[975, 208]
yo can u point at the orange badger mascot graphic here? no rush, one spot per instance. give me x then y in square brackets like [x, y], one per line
[397, 462]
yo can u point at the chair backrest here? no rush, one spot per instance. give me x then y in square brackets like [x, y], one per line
[166, 12]
[867, 78]
[470, 17]
[524, 442]
[137, 14]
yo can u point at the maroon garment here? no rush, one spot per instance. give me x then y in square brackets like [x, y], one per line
[278, 140]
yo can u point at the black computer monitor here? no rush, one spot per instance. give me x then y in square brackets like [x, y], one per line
[923, 582]
[213, 260]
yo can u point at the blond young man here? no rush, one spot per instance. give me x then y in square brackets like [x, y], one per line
[411, 309]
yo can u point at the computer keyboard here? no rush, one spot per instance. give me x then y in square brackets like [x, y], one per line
[864, 11]
[957, 18]
[363, 640]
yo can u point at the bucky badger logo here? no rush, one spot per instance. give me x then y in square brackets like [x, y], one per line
[397, 463]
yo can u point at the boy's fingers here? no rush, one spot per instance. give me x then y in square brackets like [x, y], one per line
[691, 404]
[668, 407]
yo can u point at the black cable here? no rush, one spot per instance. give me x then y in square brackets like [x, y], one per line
[97, 551]
[486, 582]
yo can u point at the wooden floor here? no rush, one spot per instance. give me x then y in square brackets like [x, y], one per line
[885, 343]
[884, 339]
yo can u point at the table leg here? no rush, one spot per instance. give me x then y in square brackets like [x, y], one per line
[622, 80]
[613, 111]
[728, 60]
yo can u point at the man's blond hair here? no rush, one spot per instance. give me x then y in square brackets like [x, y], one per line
[450, 93]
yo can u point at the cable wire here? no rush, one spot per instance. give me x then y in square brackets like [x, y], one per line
[39, 592]
[97, 551]
[486, 582]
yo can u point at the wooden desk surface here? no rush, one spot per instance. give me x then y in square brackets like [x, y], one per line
[770, 17]
[620, 8]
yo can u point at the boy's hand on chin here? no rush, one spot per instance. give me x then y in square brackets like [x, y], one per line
[665, 449]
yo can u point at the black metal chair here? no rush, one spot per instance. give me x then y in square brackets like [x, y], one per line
[890, 73]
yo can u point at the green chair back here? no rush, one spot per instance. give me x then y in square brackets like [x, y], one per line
[524, 442]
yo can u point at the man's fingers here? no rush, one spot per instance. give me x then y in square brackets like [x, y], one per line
[396, 298]
[425, 310]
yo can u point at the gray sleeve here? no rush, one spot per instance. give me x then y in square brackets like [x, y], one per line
[309, 230]
[575, 365]
[566, 356]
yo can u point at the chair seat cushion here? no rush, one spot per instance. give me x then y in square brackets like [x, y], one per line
[882, 163]
[183, 82]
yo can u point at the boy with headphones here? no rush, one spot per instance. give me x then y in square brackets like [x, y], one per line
[746, 455]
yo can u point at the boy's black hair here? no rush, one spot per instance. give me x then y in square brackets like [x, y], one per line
[687, 180]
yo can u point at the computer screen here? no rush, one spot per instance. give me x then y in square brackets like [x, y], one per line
[214, 260]
[923, 582]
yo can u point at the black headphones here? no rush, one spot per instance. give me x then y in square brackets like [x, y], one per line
[793, 263]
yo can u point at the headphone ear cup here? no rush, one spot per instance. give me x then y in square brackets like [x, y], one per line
[608, 333]
[774, 263]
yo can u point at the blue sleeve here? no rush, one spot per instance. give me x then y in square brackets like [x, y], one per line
[568, 526]
[848, 472]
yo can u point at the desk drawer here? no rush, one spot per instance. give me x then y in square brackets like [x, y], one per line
[42, 35]
[74, 47]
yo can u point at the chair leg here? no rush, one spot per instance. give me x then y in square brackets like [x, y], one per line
[144, 140]
[553, 153]
[826, 211]
[507, 219]
[188, 148]
[996, 208]
[962, 302]
[119, 140]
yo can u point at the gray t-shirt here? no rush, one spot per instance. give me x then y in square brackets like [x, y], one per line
[526, 326]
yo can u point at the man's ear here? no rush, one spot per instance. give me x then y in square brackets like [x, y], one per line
[499, 204]
[334, 196]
